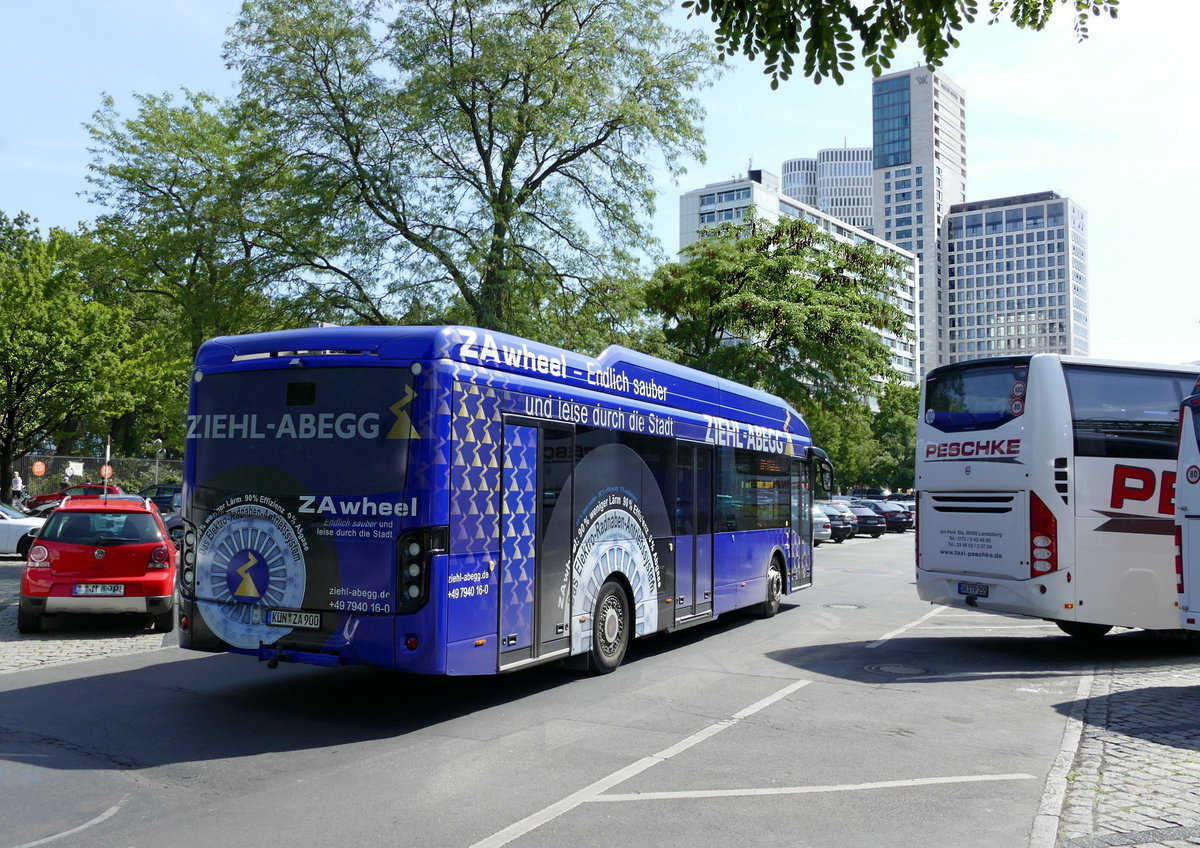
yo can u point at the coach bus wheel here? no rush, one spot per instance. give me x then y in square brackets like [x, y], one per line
[610, 628]
[774, 590]
[1083, 629]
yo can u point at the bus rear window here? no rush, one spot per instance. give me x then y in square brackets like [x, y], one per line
[975, 395]
[1126, 412]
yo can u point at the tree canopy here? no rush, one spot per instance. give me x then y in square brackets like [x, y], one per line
[500, 156]
[786, 307]
[825, 31]
[62, 352]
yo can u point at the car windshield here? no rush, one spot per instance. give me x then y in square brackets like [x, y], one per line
[8, 512]
[101, 528]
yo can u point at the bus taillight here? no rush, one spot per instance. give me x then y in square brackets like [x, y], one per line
[1043, 538]
[412, 579]
[1179, 559]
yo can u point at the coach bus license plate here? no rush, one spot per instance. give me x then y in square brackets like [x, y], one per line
[290, 618]
[979, 590]
[98, 589]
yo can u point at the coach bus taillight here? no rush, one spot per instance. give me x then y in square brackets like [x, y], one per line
[1043, 538]
[1179, 559]
[417, 549]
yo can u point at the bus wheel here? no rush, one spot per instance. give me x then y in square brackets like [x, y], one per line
[610, 628]
[774, 590]
[1083, 629]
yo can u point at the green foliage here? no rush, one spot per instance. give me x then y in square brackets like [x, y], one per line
[826, 30]
[497, 158]
[66, 358]
[787, 308]
[844, 432]
[197, 222]
[894, 428]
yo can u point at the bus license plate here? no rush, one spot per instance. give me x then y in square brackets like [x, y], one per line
[116, 589]
[291, 618]
[979, 590]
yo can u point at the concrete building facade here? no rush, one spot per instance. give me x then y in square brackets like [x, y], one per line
[1016, 277]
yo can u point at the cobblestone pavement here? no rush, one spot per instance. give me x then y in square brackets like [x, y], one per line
[1135, 777]
[66, 640]
[1131, 763]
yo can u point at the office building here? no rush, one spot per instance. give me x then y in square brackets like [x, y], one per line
[761, 190]
[1016, 277]
[837, 182]
[919, 143]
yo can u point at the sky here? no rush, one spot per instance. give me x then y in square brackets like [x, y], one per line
[1107, 122]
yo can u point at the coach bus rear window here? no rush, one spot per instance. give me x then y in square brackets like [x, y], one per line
[975, 396]
[1129, 413]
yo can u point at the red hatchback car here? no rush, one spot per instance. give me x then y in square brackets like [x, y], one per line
[100, 555]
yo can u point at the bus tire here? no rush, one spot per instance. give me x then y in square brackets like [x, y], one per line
[774, 590]
[611, 627]
[1083, 629]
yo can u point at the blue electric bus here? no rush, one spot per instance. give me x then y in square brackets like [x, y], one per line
[448, 500]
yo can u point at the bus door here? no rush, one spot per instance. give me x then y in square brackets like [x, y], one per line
[1187, 514]
[534, 578]
[800, 522]
[693, 531]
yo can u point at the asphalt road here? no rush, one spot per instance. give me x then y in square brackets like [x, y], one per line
[857, 716]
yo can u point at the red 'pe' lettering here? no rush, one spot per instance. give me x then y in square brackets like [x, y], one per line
[1131, 483]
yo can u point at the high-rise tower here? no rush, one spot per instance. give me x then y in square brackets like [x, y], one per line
[919, 120]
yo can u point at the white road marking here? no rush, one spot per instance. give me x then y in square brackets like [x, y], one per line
[909, 626]
[107, 814]
[806, 790]
[588, 793]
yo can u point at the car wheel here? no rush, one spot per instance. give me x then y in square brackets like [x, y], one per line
[28, 621]
[877, 534]
[164, 622]
[611, 625]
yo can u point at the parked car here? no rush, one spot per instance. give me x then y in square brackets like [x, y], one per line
[870, 522]
[844, 523]
[895, 516]
[13, 525]
[52, 499]
[822, 527]
[173, 518]
[162, 495]
[100, 555]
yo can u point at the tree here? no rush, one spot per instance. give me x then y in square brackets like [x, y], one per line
[844, 432]
[826, 29]
[895, 430]
[63, 353]
[786, 307]
[502, 154]
[196, 220]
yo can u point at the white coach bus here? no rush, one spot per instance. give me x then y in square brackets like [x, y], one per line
[1047, 488]
[1187, 513]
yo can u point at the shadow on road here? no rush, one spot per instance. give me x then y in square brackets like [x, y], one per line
[195, 707]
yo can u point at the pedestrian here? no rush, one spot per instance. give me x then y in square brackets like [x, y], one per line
[18, 488]
[66, 481]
